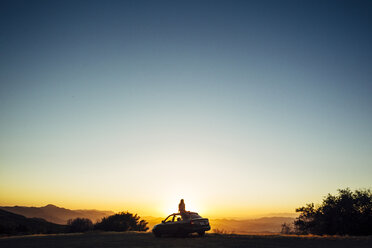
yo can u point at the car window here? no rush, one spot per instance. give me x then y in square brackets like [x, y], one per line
[170, 218]
[180, 217]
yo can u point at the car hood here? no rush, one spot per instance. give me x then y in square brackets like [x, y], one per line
[156, 226]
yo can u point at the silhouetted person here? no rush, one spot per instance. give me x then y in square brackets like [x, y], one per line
[182, 210]
[181, 207]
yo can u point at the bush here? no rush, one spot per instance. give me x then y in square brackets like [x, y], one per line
[79, 225]
[286, 228]
[122, 222]
[348, 213]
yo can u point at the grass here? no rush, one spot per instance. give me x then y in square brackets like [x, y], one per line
[134, 239]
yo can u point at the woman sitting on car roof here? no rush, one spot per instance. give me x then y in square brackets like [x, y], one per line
[182, 210]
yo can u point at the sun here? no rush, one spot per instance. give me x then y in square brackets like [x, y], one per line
[170, 205]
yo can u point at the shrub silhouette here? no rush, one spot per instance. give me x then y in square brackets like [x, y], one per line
[286, 228]
[122, 222]
[79, 225]
[348, 213]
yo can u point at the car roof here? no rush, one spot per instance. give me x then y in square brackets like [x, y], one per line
[186, 212]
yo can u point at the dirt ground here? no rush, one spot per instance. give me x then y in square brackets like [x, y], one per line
[133, 239]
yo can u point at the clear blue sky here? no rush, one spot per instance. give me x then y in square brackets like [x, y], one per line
[241, 104]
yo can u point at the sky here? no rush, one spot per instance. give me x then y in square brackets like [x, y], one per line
[242, 108]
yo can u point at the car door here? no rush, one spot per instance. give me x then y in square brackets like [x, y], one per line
[169, 226]
[179, 224]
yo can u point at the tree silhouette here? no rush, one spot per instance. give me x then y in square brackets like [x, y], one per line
[348, 213]
[286, 228]
[122, 222]
[79, 225]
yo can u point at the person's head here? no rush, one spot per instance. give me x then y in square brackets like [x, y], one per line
[181, 200]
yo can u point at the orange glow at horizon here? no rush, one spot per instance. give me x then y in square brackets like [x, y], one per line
[156, 201]
[160, 208]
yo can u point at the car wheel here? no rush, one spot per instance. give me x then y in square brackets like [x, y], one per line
[201, 234]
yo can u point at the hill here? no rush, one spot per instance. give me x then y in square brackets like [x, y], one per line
[60, 215]
[11, 223]
[56, 214]
[265, 224]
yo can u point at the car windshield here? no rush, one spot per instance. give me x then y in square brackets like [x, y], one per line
[169, 218]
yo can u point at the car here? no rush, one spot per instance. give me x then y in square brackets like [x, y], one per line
[182, 224]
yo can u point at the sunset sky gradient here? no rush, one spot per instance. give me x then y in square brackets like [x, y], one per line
[242, 108]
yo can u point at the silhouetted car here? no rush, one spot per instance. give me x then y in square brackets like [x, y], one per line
[182, 224]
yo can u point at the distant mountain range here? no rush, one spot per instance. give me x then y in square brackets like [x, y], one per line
[56, 214]
[265, 224]
[11, 224]
[60, 215]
